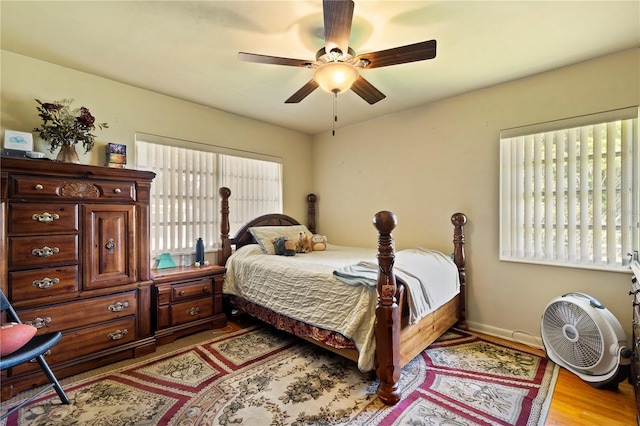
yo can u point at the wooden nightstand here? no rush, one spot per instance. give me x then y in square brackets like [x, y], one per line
[187, 299]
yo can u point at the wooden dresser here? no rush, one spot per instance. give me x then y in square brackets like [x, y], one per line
[76, 259]
[187, 299]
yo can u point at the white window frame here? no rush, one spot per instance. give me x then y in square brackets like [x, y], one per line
[189, 197]
[537, 225]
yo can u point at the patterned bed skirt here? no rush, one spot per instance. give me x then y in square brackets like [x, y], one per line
[295, 327]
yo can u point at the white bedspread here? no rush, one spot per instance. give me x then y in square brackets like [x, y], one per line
[303, 287]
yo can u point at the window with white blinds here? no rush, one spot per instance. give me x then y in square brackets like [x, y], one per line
[570, 191]
[184, 195]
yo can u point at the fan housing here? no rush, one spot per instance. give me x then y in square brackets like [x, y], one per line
[584, 337]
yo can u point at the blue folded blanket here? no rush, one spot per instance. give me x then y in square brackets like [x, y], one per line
[362, 273]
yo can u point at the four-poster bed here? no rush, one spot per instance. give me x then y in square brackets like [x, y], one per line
[397, 338]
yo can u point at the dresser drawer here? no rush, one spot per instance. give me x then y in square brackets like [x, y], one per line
[84, 341]
[81, 313]
[190, 311]
[32, 187]
[27, 218]
[190, 290]
[117, 190]
[42, 250]
[33, 284]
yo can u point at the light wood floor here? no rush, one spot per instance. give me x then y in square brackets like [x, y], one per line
[577, 403]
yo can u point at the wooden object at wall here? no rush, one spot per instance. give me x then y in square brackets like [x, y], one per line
[75, 239]
[187, 299]
[634, 377]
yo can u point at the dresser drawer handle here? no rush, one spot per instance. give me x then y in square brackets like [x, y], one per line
[181, 293]
[39, 322]
[118, 334]
[117, 190]
[45, 217]
[47, 353]
[45, 251]
[118, 307]
[193, 311]
[45, 283]
[38, 187]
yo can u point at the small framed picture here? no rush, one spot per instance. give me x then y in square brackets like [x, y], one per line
[21, 141]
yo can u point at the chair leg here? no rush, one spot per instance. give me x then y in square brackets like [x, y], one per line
[52, 379]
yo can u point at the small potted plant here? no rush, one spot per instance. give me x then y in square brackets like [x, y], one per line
[64, 127]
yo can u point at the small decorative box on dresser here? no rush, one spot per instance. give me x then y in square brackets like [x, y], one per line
[635, 345]
[187, 299]
[76, 259]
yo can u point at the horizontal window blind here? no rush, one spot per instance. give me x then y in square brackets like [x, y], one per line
[569, 191]
[184, 195]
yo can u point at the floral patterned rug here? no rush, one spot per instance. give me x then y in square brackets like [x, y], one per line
[259, 376]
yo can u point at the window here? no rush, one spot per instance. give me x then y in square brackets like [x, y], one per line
[570, 191]
[184, 195]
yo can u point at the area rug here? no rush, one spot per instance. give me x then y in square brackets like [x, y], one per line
[260, 376]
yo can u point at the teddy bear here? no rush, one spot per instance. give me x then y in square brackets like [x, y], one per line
[284, 246]
[304, 244]
[319, 242]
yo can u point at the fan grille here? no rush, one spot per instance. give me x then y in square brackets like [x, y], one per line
[572, 334]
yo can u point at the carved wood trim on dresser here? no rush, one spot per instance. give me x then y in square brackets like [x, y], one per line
[76, 259]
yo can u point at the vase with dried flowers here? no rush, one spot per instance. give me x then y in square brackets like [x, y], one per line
[64, 127]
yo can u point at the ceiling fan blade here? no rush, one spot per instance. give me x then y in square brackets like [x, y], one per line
[338, 15]
[400, 55]
[302, 93]
[274, 60]
[367, 91]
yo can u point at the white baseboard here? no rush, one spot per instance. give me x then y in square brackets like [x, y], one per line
[523, 337]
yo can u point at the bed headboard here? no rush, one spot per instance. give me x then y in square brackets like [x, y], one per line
[243, 237]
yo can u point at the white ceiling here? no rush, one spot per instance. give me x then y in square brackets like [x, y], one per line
[188, 49]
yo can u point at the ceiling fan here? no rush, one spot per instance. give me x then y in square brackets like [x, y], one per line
[337, 67]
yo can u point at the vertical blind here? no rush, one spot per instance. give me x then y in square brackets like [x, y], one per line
[184, 195]
[570, 191]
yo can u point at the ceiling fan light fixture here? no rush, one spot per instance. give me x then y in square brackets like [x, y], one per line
[335, 77]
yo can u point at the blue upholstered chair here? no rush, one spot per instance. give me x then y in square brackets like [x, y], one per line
[34, 349]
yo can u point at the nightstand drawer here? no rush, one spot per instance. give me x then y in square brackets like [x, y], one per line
[191, 290]
[190, 311]
[42, 218]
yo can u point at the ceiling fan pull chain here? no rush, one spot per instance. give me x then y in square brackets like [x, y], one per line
[335, 112]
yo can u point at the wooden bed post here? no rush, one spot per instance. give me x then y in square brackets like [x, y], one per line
[225, 193]
[459, 220]
[311, 213]
[387, 312]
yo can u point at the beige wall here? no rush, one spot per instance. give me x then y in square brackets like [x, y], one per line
[128, 110]
[429, 162]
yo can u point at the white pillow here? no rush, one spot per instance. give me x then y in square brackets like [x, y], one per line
[264, 235]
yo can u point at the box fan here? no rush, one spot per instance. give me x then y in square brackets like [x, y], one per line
[584, 337]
